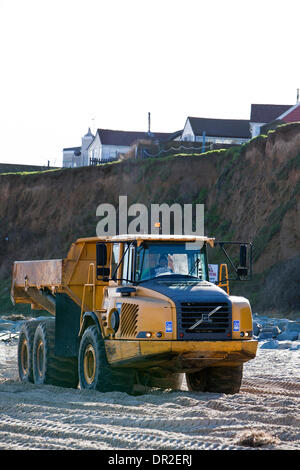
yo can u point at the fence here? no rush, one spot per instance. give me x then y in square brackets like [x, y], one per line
[175, 147]
[98, 161]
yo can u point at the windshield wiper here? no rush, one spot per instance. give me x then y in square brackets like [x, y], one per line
[198, 260]
[170, 275]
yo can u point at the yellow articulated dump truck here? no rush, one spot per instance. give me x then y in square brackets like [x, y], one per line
[129, 312]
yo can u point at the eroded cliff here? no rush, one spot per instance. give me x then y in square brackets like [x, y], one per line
[250, 193]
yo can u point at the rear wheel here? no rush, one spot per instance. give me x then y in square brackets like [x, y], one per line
[48, 368]
[225, 379]
[94, 371]
[161, 380]
[25, 350]
[196, 381]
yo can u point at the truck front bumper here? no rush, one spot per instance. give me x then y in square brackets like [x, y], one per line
[179, 356]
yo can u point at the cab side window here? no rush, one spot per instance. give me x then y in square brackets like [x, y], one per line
[115, 259]
[127, 263]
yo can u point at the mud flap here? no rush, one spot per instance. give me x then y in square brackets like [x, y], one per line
[67, 322]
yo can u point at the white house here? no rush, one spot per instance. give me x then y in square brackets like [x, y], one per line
[78, 156]
[109, 144]
[71, 157]
[217, 131]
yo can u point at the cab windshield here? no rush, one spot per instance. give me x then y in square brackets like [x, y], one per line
[155, 260]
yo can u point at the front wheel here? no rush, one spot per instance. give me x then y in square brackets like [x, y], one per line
[94, 371]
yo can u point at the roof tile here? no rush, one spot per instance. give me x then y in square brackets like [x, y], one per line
[127, 138]
[265, 113]
[238, 128]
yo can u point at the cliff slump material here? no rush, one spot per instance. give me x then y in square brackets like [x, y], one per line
[251, 192]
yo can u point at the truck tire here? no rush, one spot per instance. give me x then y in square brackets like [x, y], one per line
[197, 381]
[25, 350]
[48, 368]
[170, 381]
[94, 371]
[225, 379]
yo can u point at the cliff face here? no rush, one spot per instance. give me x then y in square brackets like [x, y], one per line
[250, 193]
[262, 192]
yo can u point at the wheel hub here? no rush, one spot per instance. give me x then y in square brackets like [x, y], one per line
[24, 357]
[89, 364]
[40, 358]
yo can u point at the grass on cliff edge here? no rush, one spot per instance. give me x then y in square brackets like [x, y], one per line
[26, 173]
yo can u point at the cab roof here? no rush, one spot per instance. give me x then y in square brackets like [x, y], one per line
[149, 237]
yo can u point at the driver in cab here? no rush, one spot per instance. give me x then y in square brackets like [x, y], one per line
[162, 267]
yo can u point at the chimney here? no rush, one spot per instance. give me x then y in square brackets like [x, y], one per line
[297, 95]
[149, 114]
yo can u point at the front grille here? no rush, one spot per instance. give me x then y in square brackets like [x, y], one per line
[129, 316]
[218, 323]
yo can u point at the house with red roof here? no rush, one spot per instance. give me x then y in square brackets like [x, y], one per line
[263, 114]
[291, 115]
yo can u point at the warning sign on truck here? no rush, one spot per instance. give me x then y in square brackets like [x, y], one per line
[213, 272]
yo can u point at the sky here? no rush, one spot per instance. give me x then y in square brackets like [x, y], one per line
[67, 65]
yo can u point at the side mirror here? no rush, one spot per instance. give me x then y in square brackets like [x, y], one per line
[243, 256]
[101, 261]
[101, 254]
[242, 270]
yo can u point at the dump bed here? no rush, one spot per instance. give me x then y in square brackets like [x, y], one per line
[38, 282]
[35, 282]
[41, 273]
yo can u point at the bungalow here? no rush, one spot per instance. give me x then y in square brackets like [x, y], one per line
[109, 144]
[218, 131]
